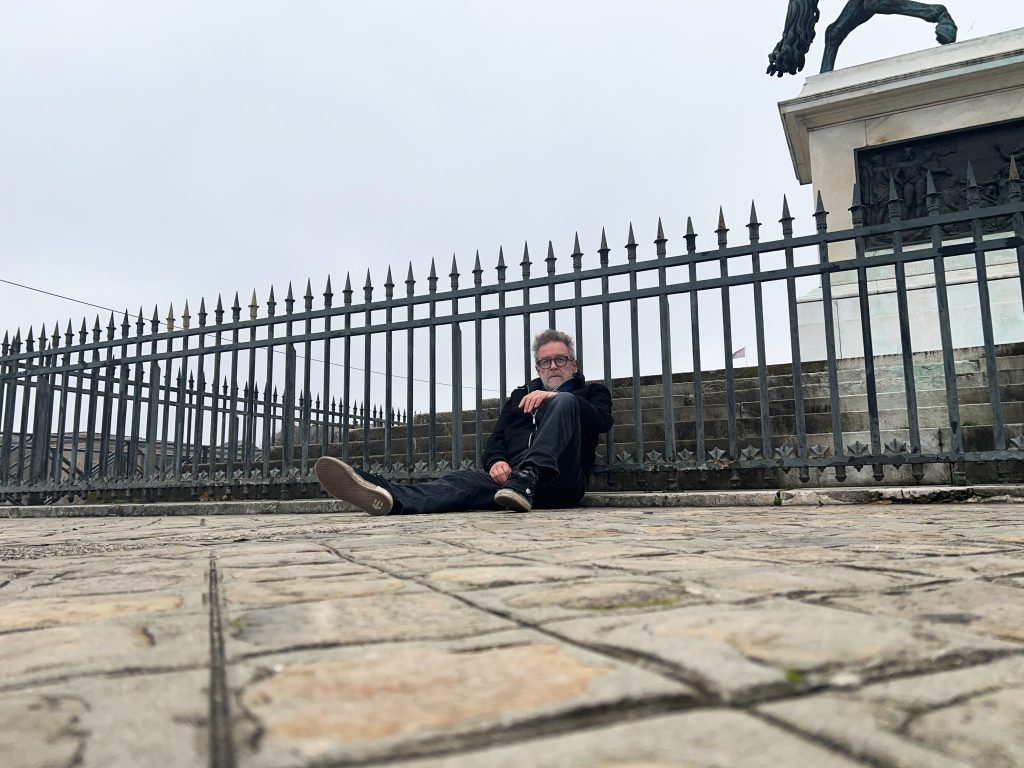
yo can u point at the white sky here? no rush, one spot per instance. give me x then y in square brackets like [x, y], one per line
[153, 152]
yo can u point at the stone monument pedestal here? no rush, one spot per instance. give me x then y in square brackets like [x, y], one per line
[933, 110]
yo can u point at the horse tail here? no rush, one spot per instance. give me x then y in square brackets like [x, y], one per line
[797, 36]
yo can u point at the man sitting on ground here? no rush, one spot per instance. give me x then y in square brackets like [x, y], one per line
[540, 453]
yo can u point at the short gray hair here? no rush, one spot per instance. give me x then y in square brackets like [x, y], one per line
[546, 337]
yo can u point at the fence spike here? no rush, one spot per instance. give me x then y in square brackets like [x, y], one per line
[111, 326]
[1014, 173]
[289, 299]
[690, 236]
[604, 250]
[16, 343]
[410, 281]
[253, 306]
[971, 180]
[5, 346]
[347, 291]
[454, 274]
[126, 325]
[389, 283]
[820, 214]
[631, 240]
[186, 318]
[218, 312]
[56, 335]
[857, 208]
[328, 292]
[236, 309]
[309, 293]
[753, 226]
[69, 334]
[501, 268]
[525, 263]
[96, 327]
[432, 277]
[478, 271]
[271, 303]
[722, 231]
[255, 390]
[82, 332]
[551, 258]
[893, 196]
[929, 183]
[191, 380]
[170, 317]
[368, 288]
[275, 392]
[577, 254]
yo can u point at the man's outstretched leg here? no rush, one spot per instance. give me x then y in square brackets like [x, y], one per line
[342, 482]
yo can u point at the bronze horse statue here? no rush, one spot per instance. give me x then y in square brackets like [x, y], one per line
[788, 56]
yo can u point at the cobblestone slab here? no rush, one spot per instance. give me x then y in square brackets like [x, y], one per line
[353, 704]
[883, 634]
[968, 717]
[703, 739]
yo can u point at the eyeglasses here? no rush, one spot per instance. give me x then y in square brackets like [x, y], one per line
[557, 361]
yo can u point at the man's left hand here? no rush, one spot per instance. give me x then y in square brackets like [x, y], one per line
[534, 400]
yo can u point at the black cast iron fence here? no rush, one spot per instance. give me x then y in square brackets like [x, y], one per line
[242, 407]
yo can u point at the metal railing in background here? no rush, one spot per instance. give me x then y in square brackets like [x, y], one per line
[242, 407]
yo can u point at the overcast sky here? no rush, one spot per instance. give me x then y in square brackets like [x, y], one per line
[153, 152]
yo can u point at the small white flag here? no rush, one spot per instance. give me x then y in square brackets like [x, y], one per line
[741, 352]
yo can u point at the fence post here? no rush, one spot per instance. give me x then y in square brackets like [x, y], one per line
[41, 428]
[288, 413]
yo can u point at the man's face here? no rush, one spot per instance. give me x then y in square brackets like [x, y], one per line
[555, 376]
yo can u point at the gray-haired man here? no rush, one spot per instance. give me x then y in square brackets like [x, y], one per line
[540, 453]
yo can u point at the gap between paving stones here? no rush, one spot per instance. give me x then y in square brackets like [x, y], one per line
[801, 497]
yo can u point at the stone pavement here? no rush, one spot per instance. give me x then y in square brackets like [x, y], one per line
[829, 636]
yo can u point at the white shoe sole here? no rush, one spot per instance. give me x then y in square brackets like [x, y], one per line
[513, 501]
[341, 481]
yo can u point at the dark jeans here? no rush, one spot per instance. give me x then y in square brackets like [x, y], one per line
[554, 451]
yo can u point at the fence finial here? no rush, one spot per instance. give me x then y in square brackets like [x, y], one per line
[185, 317]
[722, 231]
[289, 299]
[328, 293]
[218, 312]
[1014, 173]
[83, 331]
[550, 260]
[525, 263]
[454, 274]
[478, 271]
[753, 225]
[501, 265]
[432, 277]
[604, 250]
[410, 281]
[202, 312]
[236, 308]
[69, 334]
[577, 254]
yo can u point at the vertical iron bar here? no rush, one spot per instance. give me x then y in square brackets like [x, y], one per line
[906, 343]
[198, 436]
[231, 412]
[764, 407]
[367, 360]
[730, 381]
[799, 414]
[550, 260]
[288, 412]
[307, 387]
[90, 419]
[432, 437]
[346, 397]
[698, 379]
[821, 227]
[577, 266]
[269, 388]
[634, 336]
[478, 357]
[108, 404]
[10, 402]
[58, 465]
[168, 374]
[250, 410]
[456, 371]
[606, 333]
[137, 400]
[857, 213]
[665, 323]
[527, 341]
[215, 399]
[985, 305]
[410, 284]
[502, 340]
[328, 301]
[122, 404]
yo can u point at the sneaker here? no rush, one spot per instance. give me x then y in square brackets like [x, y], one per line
[517, 495]
[343, 482]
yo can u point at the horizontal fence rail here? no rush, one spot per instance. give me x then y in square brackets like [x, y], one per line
[242, 407]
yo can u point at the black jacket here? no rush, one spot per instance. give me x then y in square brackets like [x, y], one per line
[512, 433]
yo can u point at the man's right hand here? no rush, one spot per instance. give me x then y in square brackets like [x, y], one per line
[500, 471]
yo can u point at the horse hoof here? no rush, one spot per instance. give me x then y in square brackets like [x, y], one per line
[945, 32]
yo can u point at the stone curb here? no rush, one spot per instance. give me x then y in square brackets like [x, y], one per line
[804, 497]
